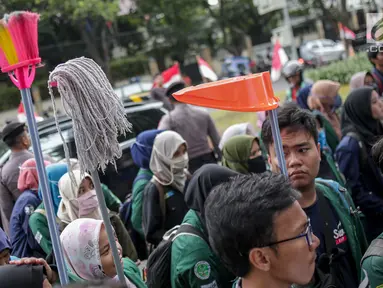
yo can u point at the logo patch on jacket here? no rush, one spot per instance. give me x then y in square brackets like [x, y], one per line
[202, 270]
[339, 234]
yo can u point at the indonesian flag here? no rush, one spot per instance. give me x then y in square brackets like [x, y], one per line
[171, 75]
[345, 33]
[279, 59]
[22, 117]
[205, 69]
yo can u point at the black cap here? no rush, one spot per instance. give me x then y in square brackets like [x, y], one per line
[173, 88]
[12, 129]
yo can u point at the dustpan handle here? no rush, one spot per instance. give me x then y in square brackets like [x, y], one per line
[278, 141]
[43, 183]
[108, 227]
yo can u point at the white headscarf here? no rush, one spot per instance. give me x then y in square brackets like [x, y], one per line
[69, 208]
[236, 130]
[166, 170]
[80, 242]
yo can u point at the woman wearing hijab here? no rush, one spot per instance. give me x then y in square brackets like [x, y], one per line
[164, 205]
[23, 241]
[243, 155]
[362, 79]
[236, 130]
[79, 200]
[189, 253]
[88, 254]
[361, 128]
[141, 153]
[31, 276]
[38, 221]
[320, 97]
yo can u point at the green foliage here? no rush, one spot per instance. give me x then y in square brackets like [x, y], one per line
[128, 67]
[341, 71]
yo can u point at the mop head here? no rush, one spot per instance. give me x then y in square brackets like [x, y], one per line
[96, 111]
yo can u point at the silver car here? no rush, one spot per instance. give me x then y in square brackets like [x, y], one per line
[322, 51]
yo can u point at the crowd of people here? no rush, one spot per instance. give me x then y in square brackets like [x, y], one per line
[210, 211]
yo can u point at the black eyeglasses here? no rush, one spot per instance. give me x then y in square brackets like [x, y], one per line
[308, 234]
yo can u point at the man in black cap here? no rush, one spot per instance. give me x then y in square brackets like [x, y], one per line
[15, 136]
[194, 125]
[158, 92]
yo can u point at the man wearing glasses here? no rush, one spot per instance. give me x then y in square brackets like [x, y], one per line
[261, 233]
[334, 218]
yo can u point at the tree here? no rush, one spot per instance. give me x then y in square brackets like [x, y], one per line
[240, 18]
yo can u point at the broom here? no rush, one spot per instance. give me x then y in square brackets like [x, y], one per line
[19, 56]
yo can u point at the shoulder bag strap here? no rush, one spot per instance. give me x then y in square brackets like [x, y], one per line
[325, 213]
[186, 229]
[162, 193]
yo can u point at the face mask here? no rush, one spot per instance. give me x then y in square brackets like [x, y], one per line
[257, 165]
[177, 169]
[87, 203]
[322, 139]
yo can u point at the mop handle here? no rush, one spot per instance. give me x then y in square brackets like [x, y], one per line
[278, 141]
[108, 227]
[43, 180]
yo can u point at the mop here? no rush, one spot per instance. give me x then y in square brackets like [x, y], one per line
[98, 118]
[19, 57]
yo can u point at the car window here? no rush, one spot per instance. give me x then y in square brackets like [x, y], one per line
[3, 147]
[142, 121]
[328, 43]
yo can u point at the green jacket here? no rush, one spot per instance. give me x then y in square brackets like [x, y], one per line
[372, 267]
[131, 272]
[341, 200]
[334, 168]
[331, 137]
[193, 263]
[143, 177]
[39, 224]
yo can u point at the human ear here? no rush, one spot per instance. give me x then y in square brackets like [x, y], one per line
[260, 259]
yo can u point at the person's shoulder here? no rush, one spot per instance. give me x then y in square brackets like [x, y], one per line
[373, 268]
[348, 143]
[150, 188]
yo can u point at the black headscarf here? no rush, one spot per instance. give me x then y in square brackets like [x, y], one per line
[357, 116]
[202, 182]
[12, 276]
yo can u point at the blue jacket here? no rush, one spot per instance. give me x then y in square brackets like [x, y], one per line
[361, 179]
[21, 236]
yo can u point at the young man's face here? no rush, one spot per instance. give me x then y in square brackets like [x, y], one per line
[302, 156]
[293, 261]
[294, 80]
[378, 61]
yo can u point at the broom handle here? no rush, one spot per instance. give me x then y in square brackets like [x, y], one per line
[108, 227]
[43, 182]
[278, 141]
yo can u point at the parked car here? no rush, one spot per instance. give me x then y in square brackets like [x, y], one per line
[143, 116]
[235, 66]
[323, 51]
[134, 91]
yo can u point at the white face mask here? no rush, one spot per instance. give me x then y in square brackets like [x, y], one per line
[177, 169]
[87, 203]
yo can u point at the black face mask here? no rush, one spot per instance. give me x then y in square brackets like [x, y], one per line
[257, 165]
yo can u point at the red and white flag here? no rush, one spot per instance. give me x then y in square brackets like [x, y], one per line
[345, 32]
[22, 117]
[279, 59]
[205, 70]
[171, 75]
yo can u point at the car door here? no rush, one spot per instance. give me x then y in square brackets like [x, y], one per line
[121, 181]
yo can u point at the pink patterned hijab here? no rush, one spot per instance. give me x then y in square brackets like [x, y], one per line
[80, 242]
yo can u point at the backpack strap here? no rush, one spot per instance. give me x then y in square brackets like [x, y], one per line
[143, 176]
[161, 190]
[187, 229]
[375, 249]
[325, 213]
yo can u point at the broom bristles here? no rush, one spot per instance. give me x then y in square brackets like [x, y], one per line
[23, 29]
[8, 52]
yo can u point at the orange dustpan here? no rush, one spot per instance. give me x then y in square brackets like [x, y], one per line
[246, 94]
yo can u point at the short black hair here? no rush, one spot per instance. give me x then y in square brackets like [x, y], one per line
[240, 216]
[13, 141]
[373, 53]
[173, 88]
[293, 118]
